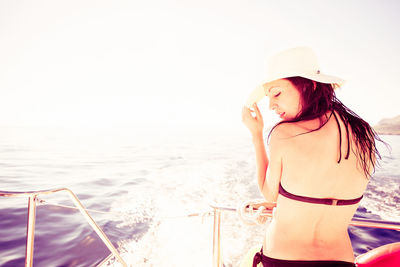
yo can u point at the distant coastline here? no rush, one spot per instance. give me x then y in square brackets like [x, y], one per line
[389, 126]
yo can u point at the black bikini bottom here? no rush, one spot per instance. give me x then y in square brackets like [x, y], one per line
[271, 262]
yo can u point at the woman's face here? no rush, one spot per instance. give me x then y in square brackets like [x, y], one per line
[284, 98]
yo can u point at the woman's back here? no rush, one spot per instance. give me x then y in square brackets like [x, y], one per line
[310, 168]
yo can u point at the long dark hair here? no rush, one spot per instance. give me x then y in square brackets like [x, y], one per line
[317, 99]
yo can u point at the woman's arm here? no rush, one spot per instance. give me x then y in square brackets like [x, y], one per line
[270, 188]
[268, 175]
[261, 160]
[256, 125]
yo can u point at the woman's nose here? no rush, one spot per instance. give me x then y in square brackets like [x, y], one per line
[272, 105]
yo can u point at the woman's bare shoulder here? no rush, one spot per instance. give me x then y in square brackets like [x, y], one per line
[279, 132]
[286, 130]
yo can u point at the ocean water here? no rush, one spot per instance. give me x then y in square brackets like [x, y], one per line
[147, 185]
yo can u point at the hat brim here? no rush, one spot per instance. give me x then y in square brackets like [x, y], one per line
[260, 91]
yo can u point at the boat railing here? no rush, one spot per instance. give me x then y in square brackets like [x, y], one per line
[218, 210]
[30, 232]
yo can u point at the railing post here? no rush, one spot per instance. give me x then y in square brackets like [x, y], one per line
[30, 231]
[96, 228]
[217, 261]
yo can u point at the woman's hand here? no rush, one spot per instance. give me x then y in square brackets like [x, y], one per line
[254, 123]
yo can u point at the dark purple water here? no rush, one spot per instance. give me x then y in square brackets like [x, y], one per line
[143, 185]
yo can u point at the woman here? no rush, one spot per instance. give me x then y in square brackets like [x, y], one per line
[321, 156]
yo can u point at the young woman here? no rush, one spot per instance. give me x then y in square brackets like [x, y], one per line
[321, 156]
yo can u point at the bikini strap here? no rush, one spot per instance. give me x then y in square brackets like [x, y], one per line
[325, 201]
[340, 137]
[258, 257]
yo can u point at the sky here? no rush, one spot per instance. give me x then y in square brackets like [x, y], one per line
[163, 64]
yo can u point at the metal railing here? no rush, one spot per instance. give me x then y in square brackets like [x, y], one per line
[30, 232]
[217, 211]
[217, 260]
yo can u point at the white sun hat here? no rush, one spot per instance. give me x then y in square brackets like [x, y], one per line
[298, 61]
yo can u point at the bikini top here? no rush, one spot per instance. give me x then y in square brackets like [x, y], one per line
[325, 201]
